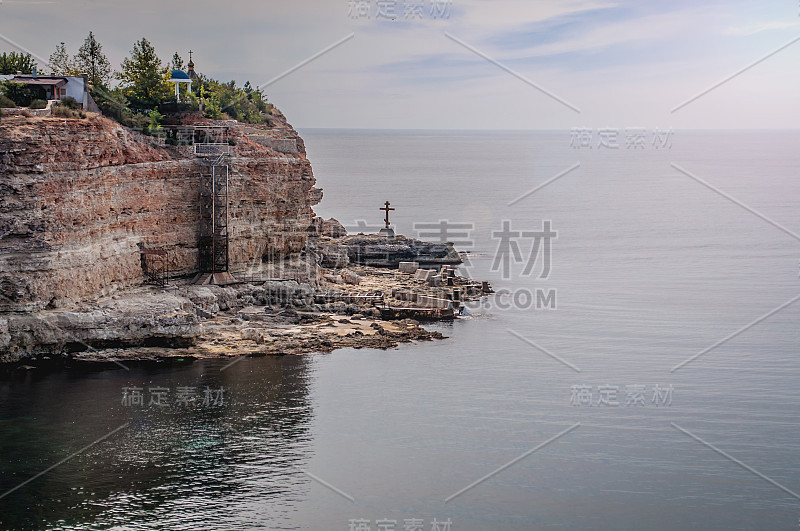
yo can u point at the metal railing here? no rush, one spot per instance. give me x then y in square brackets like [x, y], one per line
[213, 150]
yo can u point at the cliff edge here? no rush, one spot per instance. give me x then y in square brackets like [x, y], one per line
[79, 198]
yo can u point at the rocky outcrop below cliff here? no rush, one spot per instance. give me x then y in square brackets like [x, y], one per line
[268, 316]
[272, 317]
[141, 318]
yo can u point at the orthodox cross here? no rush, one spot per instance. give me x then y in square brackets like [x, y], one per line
[190, 56]
[386, 209]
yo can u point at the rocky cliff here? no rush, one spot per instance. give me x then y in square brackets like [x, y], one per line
[78, 198]
[86, 203]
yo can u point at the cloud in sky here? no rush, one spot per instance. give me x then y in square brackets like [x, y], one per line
[623, 63]
[752, 29]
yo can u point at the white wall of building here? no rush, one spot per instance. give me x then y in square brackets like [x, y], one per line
[75, 88]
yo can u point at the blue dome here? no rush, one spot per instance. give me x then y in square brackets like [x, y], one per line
[180, 74]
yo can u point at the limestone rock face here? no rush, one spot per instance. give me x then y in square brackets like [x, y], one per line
[158, 320]
[331, 227]
[77, 196]
[330, 255]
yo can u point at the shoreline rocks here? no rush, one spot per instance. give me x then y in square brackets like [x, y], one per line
[257, 318]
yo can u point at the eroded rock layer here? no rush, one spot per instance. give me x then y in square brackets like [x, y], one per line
[78, 198]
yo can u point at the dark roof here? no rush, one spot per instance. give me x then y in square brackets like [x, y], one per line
[45, 81]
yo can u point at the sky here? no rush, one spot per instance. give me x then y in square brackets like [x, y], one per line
[462, 64]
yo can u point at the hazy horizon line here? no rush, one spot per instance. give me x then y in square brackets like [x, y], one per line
[407, 129]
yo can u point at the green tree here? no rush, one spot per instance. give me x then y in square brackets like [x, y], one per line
[211, 106]
[177, 62]
[60, 62]
[144, 77]
[11, 63]
[90, 59]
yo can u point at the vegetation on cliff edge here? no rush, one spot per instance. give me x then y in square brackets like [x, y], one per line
[143, 95]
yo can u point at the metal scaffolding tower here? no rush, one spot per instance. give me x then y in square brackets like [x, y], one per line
[214, 175]
[214, 215]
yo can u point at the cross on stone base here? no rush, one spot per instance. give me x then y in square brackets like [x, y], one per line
[387, 231]
[386, 209]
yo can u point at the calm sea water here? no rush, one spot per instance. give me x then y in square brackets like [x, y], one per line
[649, 268]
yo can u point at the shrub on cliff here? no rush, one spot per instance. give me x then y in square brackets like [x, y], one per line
[60, 111]
[63, 111]
[6, 103]
[113, 104]
[194, 102]
[140, 122]
[70, 103]
[173, 107]
[154, 128]
[19, 93]
[246, 104]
